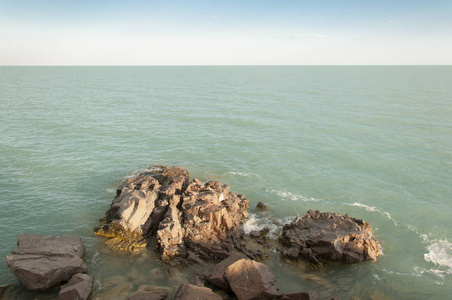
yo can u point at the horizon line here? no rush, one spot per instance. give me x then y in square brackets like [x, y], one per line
[270, 65]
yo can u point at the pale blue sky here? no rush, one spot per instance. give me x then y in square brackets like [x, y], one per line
[283, 32]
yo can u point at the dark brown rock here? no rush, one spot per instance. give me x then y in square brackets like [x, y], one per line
[41, 262]
[189, 220]
[150, 292]
[261, 206]
[216, 274]
[188, 292]
[249, 279]
[79, 287]
[310, 295]
[329, 237]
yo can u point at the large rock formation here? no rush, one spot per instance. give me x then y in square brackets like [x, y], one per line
[189, 220]
[329, 237]
[42, 262]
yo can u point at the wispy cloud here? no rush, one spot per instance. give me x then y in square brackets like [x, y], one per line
[391, 21]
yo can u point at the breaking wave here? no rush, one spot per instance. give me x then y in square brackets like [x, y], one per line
[440, 253]
[374, 209]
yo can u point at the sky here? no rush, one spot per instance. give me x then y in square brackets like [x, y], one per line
[225, 32]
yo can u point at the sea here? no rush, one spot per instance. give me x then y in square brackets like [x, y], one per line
[371, 141]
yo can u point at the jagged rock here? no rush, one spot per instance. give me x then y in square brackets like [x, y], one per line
[216, 274]
[189, 220]
[42, 262]
[249, 279]
[150, 292]
[79, 287]
[188, 291]
[329, 237]
[261, 206]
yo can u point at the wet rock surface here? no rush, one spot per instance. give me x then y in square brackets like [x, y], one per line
[149, 292]
[41, 262]
[188, 291]
[188, 220]
[329, 236]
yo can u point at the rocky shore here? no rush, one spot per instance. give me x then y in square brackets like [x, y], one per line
[188, 222]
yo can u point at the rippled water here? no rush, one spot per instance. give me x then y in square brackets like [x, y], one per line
[375, 142]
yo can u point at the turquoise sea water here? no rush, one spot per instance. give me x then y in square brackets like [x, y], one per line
[375, 142]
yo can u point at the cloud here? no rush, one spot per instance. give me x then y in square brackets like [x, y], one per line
[391, 21]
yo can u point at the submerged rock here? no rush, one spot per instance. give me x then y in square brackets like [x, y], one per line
[150, 292]
[188, 291]
[189, 220]
[329, 236]
[42, 262]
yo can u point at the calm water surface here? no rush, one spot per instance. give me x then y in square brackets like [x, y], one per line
[374, 142]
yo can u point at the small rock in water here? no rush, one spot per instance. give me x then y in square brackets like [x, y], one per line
[261, 206]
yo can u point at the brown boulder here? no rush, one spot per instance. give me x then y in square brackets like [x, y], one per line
[329, 237]
[79, 287]
[188, 292]
[42, 262]
[216, 274]
[249, 279]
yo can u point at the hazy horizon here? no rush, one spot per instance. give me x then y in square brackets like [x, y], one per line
[214, 33]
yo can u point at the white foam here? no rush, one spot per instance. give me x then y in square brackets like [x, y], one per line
[293, 197]
[274, 225]
[440, 253]
[374, 209]
[367, 207]
[244, 174]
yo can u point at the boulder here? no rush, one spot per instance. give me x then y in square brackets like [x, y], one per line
[150, 292]
[188, 220]
[188, 291]
[41, 262]
[329, 236]
[216, 274]
[79, 287]
[249, 279]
